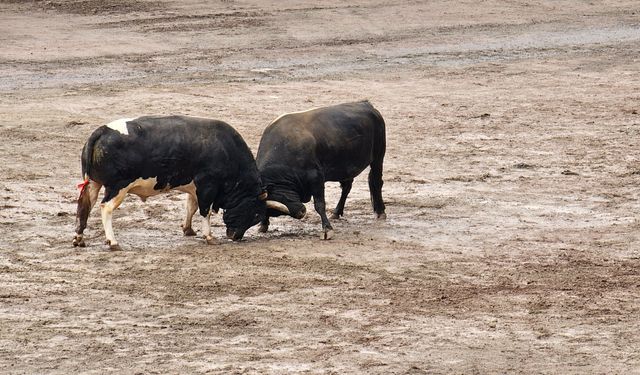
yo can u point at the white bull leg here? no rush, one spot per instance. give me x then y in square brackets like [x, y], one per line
[107, 217]
[192, 207]
[206, 228]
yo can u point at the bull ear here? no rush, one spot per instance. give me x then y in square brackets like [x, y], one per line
[263, 196]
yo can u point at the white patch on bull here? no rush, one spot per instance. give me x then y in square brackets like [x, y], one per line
[189, 188]
[120, 125]
[144, 188]
[107, 218]
[206, 229]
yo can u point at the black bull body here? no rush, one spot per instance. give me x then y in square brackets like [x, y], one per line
[300, 151]
[147, 156]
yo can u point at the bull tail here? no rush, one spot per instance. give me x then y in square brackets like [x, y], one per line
[88, 189]
[375, 173]
[87, 152]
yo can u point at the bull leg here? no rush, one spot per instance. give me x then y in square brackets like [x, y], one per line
[206, 228]
[192, 207]
[206, 193]
[375, 189]
[86, 201]
[346, 188]
[264, 225]
[107, 209]
[320, 206]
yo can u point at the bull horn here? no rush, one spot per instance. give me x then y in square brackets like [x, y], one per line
[278, 207]
[263, 196]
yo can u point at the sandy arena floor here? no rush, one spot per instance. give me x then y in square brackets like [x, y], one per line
[512, 180]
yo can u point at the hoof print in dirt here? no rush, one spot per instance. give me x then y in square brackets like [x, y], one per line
[567, 172]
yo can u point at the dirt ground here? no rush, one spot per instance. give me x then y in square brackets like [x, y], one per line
[512, 180]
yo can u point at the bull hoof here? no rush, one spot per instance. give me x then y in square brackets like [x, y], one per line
[327, 234]
[209, 240]
[335, 216]
[381, 216]
[263, 228]
[115, 247]
[188, 231]
[78, 241]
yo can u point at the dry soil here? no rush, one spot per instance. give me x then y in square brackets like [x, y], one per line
[511, 180]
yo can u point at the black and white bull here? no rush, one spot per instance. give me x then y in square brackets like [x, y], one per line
[146, 156]
[300, 151]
